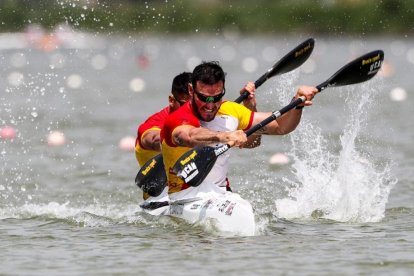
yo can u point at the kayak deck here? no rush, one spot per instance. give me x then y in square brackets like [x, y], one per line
[227, 212]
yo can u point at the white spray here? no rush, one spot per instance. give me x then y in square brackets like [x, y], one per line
[343, 186]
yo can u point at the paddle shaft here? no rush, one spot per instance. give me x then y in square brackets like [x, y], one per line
[257, 83]
[278, 113]
[274, 116]
[158, 204]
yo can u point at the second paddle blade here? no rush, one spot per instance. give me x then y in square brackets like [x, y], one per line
[294, 58]
[360, 70]
[152, 178]
[195, 164]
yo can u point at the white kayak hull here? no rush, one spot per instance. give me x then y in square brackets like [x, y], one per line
[226, 212]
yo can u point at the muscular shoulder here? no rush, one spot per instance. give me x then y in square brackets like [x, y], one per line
[155, 121]
[181, 117]
[243, 115]
[235, 109]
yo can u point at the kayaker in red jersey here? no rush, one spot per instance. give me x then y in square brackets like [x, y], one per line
[208, 120]
[147, 144]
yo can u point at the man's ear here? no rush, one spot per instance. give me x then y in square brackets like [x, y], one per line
[170, 101]
[190, 89]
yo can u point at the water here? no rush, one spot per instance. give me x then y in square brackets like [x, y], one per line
[343, 205]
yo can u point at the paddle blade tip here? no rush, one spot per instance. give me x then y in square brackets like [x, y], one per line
[290, 61]
[358, 70]
[151, 178]
[371, 63]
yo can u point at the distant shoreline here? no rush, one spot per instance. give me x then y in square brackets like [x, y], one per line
[362, 18]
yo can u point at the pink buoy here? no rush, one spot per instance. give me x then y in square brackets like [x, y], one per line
[56, 138]
[143, 61]
[387, 69]
[279, 159]
[127, 143]
[7, 133]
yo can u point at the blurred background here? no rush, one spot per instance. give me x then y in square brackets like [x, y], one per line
[335, 17]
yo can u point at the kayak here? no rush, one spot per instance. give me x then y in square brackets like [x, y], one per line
[226, 212]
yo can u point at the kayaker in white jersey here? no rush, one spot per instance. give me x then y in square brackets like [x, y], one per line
[184, 128]
[228, 119]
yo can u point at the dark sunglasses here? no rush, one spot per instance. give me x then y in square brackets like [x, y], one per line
[210, 99]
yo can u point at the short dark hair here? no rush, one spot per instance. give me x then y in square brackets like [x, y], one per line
[208, 73]
[180, 84]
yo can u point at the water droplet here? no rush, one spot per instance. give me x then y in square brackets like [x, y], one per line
[137, 85]
[193, 62]
[15, 78]
[99, 62]
[249, 64]
[269, 54]
[74, 81]
[398, 94]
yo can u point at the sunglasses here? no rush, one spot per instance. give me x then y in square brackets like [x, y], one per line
[209, 99]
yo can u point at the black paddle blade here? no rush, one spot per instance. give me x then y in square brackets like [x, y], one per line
[290, 61]
[194, 165]
[358, 70]
[151, 178]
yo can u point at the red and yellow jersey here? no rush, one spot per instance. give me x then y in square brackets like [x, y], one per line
[154, 122]
[231, 116]
[183, 116]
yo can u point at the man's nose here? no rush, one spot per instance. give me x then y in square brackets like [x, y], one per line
[210, 105]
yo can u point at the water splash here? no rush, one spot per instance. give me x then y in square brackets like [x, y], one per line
[347, 185]
[92, 215]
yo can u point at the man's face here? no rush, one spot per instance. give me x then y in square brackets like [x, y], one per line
[207, 99]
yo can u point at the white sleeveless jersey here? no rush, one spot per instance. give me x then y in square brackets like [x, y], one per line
[231, 116]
